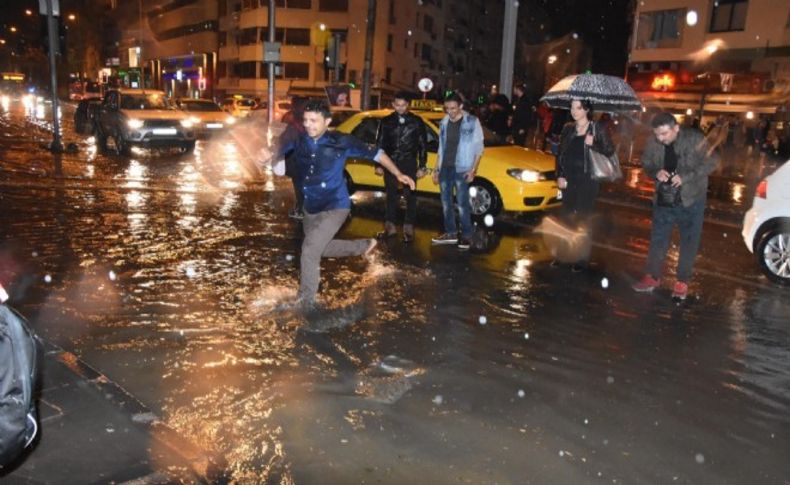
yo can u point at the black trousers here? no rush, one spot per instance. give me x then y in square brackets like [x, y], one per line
[578, 199]
[391, 183]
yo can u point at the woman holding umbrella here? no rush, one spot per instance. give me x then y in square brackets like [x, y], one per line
[574, 174]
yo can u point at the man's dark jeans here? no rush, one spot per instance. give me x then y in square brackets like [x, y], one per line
[453, 183]
[391, 183]
[689, 222]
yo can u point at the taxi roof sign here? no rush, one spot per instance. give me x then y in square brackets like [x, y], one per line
[425, 105]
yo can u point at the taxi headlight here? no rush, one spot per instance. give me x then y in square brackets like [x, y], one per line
[134, 124]
[230, 120]
[187, 123]
[526, 175]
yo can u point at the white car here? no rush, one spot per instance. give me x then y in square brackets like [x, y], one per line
[766, 226]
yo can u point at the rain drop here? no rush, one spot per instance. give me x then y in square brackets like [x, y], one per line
[526, 335]
[699, 458]
[48, 279]
[323, 184]
[605, 283]
[586, 421]
[438, 400]
[488, 220]
[610, 380]
[35, 254]
[289, 257]
[521, 393]
[483, 320]
[112, 275]
[190, 272]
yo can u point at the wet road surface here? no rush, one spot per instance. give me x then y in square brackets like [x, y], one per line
[169, 273]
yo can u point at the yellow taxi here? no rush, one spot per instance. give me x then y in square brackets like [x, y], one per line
[510, 178]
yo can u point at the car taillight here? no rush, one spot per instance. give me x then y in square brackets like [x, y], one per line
[762, 189]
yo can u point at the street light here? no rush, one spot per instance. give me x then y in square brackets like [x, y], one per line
[12, 29]
[691, 18]
[552, 59]
[28, 12]
[72, 16]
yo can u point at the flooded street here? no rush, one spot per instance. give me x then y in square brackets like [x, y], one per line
[172, 275]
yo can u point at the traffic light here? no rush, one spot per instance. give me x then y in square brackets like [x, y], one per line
[332, 53]
[44, 35]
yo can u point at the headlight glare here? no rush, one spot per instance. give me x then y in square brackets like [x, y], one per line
[526, 175]
[187, 123]
[134, 124]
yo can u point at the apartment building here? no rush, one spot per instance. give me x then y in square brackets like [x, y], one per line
[216, 47]
[707, 58]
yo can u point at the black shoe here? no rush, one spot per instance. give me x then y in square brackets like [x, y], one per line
[555, 263]
[578, 268]
[407, 238]
[463, 244]
[388, 232]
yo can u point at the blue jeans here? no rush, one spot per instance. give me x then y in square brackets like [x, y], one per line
[689, 221]
[449, 180]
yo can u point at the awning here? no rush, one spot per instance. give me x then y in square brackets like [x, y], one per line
[714, 103]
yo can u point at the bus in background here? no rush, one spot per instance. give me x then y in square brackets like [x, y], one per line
[12, 84]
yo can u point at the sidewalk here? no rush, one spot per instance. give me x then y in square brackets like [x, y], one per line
[93, 431]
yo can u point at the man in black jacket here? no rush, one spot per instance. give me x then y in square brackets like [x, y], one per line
[402, 136]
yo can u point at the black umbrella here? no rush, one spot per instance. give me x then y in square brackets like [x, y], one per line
[606, 93]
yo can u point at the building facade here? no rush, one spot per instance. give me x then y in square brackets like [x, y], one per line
[215, 48]
[704, 59]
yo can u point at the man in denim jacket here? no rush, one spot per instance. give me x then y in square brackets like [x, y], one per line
[460, 149]
[681, 157]
[321, 157]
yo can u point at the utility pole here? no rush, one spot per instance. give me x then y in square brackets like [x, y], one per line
[140, 59]
[51, 8]
[508, 48]
[270, 65]
[371, 30]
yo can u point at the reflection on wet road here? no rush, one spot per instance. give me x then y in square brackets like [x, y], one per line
[172, 275]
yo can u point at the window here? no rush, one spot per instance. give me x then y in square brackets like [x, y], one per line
[406, 43]
[729, 15]
[248, 36]
[661, 28]
[388, 75]
[416, 49]
[333, 5]
[307, 4]
[297, 36]
[296, 70]
[222, 39]
[366, 130]
[246, 70]
[392, 12]
[249, 4]
[428, 24]
[426, 52]
[389, 42]
[279, 34]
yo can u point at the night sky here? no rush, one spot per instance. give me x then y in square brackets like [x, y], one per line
[604, 25]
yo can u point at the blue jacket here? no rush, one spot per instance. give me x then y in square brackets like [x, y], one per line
[470, 146]
[320, 165]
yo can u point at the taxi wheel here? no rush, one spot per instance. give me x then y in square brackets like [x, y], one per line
[773, 254]
[188, 147]
[484, 198]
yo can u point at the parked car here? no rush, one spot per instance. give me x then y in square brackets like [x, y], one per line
[239, 106]
[209, 118]
[509, 177]
[144, 118]
[281, 107]
[766, 226]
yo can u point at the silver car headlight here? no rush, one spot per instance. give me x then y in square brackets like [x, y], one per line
[134, 124]
[526, 175]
